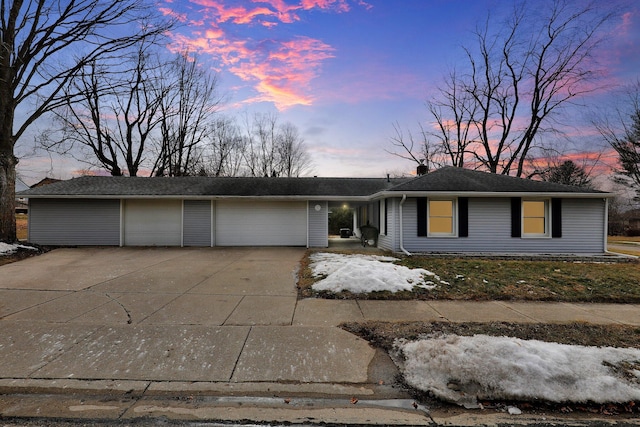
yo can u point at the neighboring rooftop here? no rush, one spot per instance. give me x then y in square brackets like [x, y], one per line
[45, 181]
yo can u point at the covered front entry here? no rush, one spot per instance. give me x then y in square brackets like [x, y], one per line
[256, 223]
[156, 222]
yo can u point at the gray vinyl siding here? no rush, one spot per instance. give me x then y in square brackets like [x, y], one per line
[74, 222]
[318, 223]
[490, 230]
[390, 240]
[197, 223]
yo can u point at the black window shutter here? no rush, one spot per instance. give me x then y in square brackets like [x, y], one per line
[463, 217]
[516, 217]
[422, 215]
[556, 218]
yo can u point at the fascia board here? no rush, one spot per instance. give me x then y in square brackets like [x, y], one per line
[198, 197]
[492, 194]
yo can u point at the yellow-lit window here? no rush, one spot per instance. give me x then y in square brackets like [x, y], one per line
[535, 218]
[441, 217]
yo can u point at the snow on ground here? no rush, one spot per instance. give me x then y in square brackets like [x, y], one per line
[8, 249]
[366, 273]
[464, 369]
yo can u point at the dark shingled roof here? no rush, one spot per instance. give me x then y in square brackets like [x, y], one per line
[206, 186]
[452, 179]
[447, 179]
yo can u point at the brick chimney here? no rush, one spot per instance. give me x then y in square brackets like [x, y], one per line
[422, 169]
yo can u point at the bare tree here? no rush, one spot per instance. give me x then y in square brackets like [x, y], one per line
[454, 113]
[110, 116]
[418, 148]
[188, 102]
[260, 153]
[622, 133]
[528, 73]
[223, 149]
[292, 153]
[518, 75]
[44, 44]
[272, 149]
[448, 142]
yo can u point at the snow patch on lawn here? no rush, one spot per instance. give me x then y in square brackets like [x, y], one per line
[464, 369]
[366, 273]
[8, 249]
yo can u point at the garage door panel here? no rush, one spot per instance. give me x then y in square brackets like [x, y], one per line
[153, 223]
[74, 222]
[248, 223]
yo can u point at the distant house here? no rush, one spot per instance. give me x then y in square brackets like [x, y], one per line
[22, 205]
[45, 181]
[450, 210]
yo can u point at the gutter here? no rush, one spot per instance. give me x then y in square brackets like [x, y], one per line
[303, 198]
[406, 252]
[493, 194]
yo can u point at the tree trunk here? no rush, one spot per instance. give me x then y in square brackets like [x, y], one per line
[7, 196]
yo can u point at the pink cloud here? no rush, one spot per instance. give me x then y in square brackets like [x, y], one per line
[335, 5]
[181, 17]
[280, 71]
[594, 162]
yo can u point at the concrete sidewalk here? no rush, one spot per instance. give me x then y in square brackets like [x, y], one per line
[214, 327]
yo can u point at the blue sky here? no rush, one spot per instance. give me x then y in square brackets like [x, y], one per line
[344, 71]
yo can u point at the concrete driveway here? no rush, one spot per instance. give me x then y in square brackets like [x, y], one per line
[155, 286]
[162, 314]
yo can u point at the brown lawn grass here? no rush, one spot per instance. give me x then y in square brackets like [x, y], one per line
[22, 229]
[491, 279]
[613, 239]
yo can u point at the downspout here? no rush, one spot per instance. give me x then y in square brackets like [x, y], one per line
[406, 252]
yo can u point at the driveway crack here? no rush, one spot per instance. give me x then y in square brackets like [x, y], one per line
[129, 321]
[244, 344]
[360, 308]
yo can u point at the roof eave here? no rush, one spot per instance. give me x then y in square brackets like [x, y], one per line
[487, 194]
[198, 197]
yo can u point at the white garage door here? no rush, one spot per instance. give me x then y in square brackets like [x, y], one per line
[249, 223]
[153, 223]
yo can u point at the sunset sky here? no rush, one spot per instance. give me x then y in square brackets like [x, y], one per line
[344, 71]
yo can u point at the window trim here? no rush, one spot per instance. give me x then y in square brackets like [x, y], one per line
[547, 219]
[382, 217]
[454, 217]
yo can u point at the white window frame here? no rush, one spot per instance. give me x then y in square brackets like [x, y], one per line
[547, 219]
[454, 217]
